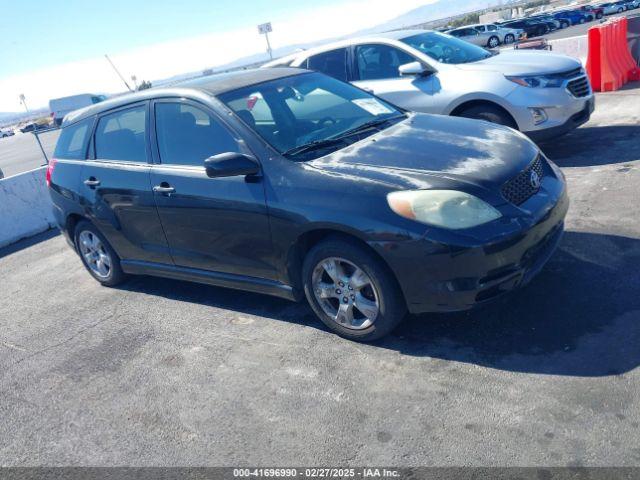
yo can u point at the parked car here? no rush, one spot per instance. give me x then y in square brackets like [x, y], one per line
[612, 8]
[30, 127]
[573, 16]
[632, 4]
[533, 28]
[472, 35]
[596, 11]
[6, 133]
[59, 107]
[505, 35]
[549, 21]
[431, 72]
[294, 184]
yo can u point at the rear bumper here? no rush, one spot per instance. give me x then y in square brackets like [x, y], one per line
[456, 279]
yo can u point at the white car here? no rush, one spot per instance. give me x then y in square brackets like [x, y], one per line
[537, 92]
[505, 35]
[6, 133]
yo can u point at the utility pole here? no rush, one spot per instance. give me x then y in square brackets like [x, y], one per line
[121, 77]
[265, 29]
[35, 129]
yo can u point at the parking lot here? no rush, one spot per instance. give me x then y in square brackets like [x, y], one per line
[20, 153]
[162, 372]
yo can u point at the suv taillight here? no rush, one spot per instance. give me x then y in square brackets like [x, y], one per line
[50, 167]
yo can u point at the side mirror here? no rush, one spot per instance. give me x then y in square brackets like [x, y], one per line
[231, 164]
[413, 68]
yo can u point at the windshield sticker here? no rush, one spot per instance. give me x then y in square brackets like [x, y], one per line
[373, 106]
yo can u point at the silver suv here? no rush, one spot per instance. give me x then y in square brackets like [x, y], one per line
[487, 35]
[537, 92]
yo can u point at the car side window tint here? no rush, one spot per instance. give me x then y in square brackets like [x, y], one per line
[333, 63]
[480, 28]
[121, 135]
[72, 144]
[377, 62]
[492, 28]
[188, 135]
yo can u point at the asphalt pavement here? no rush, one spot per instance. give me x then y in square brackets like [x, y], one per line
[20, 153]
[162, 372]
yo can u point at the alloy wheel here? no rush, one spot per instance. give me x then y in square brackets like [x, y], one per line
[345, 293]
[95, 254]
[493, 42]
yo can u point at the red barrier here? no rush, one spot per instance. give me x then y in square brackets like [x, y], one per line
[609, 61]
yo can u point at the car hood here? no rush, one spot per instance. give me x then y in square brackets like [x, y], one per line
[514, 62]
[435, 151]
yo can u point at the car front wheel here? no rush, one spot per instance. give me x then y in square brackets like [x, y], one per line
[97, 255]
[352, 291]
[489, 113]
[509, 38]
[493, 42]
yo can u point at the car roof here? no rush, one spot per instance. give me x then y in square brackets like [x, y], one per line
[213, 85]
[393, 35]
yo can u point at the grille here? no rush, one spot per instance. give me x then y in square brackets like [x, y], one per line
[579, 87]
[571, 73]
[519, 189]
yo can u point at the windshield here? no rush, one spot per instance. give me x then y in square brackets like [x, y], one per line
[311, 109]
[445, 48]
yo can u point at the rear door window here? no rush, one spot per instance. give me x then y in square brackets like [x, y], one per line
[72, 144]
[122, 135]
[333, 63]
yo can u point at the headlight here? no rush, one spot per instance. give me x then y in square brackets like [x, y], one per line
[442, 208]
[540, 81]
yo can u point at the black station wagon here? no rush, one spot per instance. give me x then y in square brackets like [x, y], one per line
[291, 183]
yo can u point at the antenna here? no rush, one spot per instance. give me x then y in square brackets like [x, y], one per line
[121, 77]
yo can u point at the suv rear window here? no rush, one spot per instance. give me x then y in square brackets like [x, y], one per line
[333, 63]
[72, 144]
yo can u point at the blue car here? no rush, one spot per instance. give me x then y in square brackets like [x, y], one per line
[572, 17]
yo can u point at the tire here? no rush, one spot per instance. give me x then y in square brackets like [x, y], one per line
[489, 113]
[566, 24]
[357, 278]
[493, 42]
[509, 38]
[620, 10]
[599, 15]
[582, 20]
[95, 250]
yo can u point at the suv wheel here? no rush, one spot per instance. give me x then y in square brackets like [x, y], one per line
[493, 42]
[489, 113]
[509, 38]
[98, 257]
[351, 291]
[582, 20]
[599, 15]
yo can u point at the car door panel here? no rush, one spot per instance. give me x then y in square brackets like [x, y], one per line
[411, 92]
[214, 224]
[116, 192]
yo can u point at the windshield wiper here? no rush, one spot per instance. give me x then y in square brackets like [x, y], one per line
[366, 126]
[315, 145]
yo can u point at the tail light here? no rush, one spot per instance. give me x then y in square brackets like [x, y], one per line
[50, 167]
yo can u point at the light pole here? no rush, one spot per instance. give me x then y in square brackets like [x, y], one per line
[265, 29]
[35, 129]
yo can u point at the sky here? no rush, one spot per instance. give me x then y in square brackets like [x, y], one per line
[56, 48]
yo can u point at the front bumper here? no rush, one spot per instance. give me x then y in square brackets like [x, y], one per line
[460, 278]
[564, 111]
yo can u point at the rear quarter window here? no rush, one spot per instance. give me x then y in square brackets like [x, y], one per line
[72, 144]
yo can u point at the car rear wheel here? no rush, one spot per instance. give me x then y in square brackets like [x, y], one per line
[493, 42]
[351, 291]
[599, 16]
[97, 256]
[489, 113]
[509, 38]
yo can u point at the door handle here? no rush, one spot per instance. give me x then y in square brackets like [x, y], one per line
[91, 182]
[163, 189]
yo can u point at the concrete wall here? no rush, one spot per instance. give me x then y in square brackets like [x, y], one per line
[576, 47]
[25, 206]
